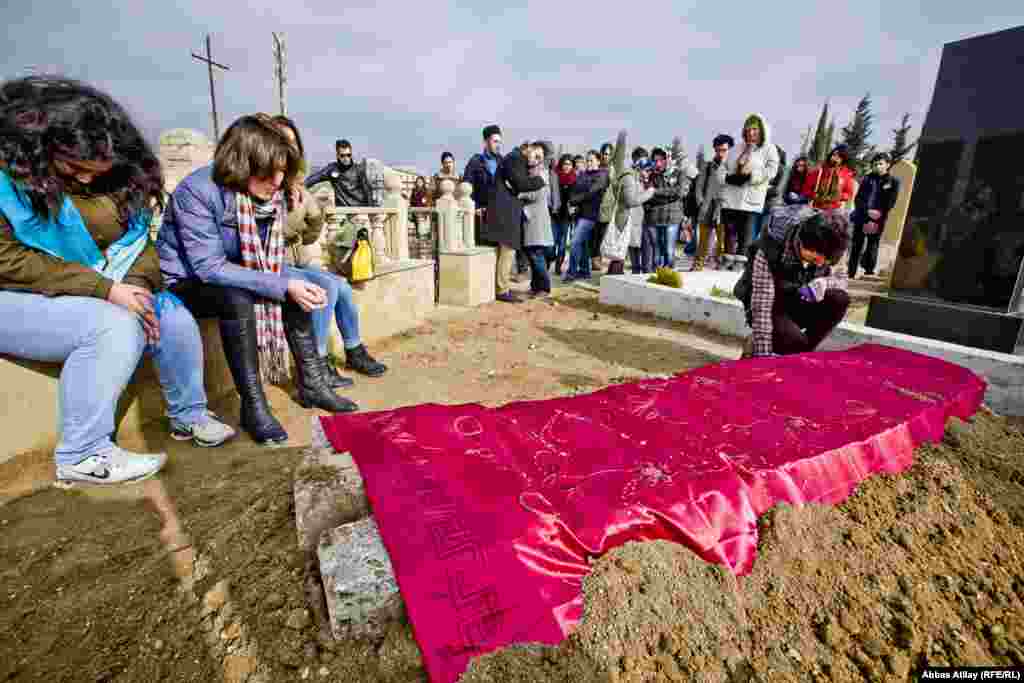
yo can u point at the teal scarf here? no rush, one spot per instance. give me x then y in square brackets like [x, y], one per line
[66, 237]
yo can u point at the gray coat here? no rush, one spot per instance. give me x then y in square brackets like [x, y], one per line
[631, 204]
[709, 201]
[537, 229]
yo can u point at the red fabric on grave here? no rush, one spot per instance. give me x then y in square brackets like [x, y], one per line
[492, 516]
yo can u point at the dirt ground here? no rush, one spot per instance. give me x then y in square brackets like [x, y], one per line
[923, 566]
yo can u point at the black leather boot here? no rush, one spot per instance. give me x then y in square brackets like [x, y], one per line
[359, 360]
[310, 367]
[335, 380]
[239, 342]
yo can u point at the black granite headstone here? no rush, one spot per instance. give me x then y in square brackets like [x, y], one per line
[962, 250]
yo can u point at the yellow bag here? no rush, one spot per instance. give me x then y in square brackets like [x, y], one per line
[362, 262]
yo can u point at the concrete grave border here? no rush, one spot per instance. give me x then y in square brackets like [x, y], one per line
[693, 303]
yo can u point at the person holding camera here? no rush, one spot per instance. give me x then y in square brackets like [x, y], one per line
[747, 183]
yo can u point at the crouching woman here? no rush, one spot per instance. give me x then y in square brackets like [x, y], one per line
[793, 296]
[221, 248]
[80, 281]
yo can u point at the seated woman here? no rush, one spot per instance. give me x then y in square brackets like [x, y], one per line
[221, 248]
[305, 218]
[78, 273]
[793, 297]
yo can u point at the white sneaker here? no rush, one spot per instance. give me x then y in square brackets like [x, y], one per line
[210, 434]
[115, 466]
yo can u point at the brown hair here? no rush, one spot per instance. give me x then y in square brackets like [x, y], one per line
[254, 147]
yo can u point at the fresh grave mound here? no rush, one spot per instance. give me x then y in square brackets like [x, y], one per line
[492, 517]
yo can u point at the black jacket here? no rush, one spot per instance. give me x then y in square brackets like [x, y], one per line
[477, 175]
[665, 207]
[886, 188]
[588, 192]
[351, 185]
[504, 220]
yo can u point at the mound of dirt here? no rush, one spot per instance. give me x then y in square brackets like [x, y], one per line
[924, 566]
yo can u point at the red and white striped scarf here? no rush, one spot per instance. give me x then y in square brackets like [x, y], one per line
[270, 338]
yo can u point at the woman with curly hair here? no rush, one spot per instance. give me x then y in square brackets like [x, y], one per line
[221, 248]
[80, 281]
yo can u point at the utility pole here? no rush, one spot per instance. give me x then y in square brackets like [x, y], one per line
[280, 69]
[208, 59]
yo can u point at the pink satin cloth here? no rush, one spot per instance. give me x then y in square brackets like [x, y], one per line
[493, 516]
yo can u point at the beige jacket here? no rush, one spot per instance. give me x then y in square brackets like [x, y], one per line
[302, 231]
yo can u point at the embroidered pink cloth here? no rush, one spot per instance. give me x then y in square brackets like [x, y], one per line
[492, 516]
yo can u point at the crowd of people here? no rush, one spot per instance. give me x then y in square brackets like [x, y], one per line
[82, 283]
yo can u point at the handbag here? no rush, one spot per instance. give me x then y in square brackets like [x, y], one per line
[616, 242]
[871, 228]
[362, 260]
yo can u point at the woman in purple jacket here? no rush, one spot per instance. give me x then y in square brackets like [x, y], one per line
[221, 248]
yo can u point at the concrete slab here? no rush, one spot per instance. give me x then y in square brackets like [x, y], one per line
[359, 582]
[693, 303]
[328, 492]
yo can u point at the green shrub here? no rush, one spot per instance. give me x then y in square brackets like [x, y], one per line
[666, 277]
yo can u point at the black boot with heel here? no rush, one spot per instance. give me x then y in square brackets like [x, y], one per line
[311, 372]
[240, 350]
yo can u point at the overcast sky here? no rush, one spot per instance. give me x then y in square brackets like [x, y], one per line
[406, 81]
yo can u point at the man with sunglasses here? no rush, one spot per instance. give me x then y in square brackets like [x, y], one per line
[349, 180]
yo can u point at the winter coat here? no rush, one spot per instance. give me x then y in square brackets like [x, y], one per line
[198, 239]
[811, 185]
[504, 223]
[24, 269]
[710, 187]
[564, 192]
[885, 190]
[480, 178]
[351, 185]
[588, 192]
[773, 198]
[665, 207]
[632, 196]
[536, 205]
[763, 167]
[302, 228]
[607, 210]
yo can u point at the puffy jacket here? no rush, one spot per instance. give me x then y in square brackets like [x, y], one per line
[764, 165]
[665, 207]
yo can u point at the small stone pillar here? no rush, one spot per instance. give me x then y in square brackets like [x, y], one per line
[468, 206]
[449, 232]
[396, 225]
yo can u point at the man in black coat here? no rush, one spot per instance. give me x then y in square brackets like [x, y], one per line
[504, 219]
[349, 179]
[875, 198]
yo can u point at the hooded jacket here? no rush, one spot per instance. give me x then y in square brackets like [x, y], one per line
[763, 167]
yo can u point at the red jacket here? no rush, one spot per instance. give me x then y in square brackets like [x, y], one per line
[825, 172]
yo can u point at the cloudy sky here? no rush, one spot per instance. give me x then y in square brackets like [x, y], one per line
[405, 81]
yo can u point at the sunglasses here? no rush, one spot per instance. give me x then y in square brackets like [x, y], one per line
[345, 156]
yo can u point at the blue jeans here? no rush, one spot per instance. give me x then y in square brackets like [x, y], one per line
[100, 345]
[339, 304]
[649, 248]
[756, 221]
[668, 257]
[579, 258]
[540, 281]
[561, 231]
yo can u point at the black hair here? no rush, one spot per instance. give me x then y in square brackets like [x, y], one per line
[578, 157]
[826, 233]
[342, 143]
[607, 146]
[639, 153]
[881, 156]
[659, 152]
[723, 139]
[447, 155]
[564, 158]
[44, 116]
[593, 152]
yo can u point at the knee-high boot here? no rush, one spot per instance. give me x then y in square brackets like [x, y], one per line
[311, 372]
[239, 341]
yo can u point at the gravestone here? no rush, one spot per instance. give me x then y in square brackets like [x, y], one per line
[904, 171]
[182, 151]
[958, 271]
